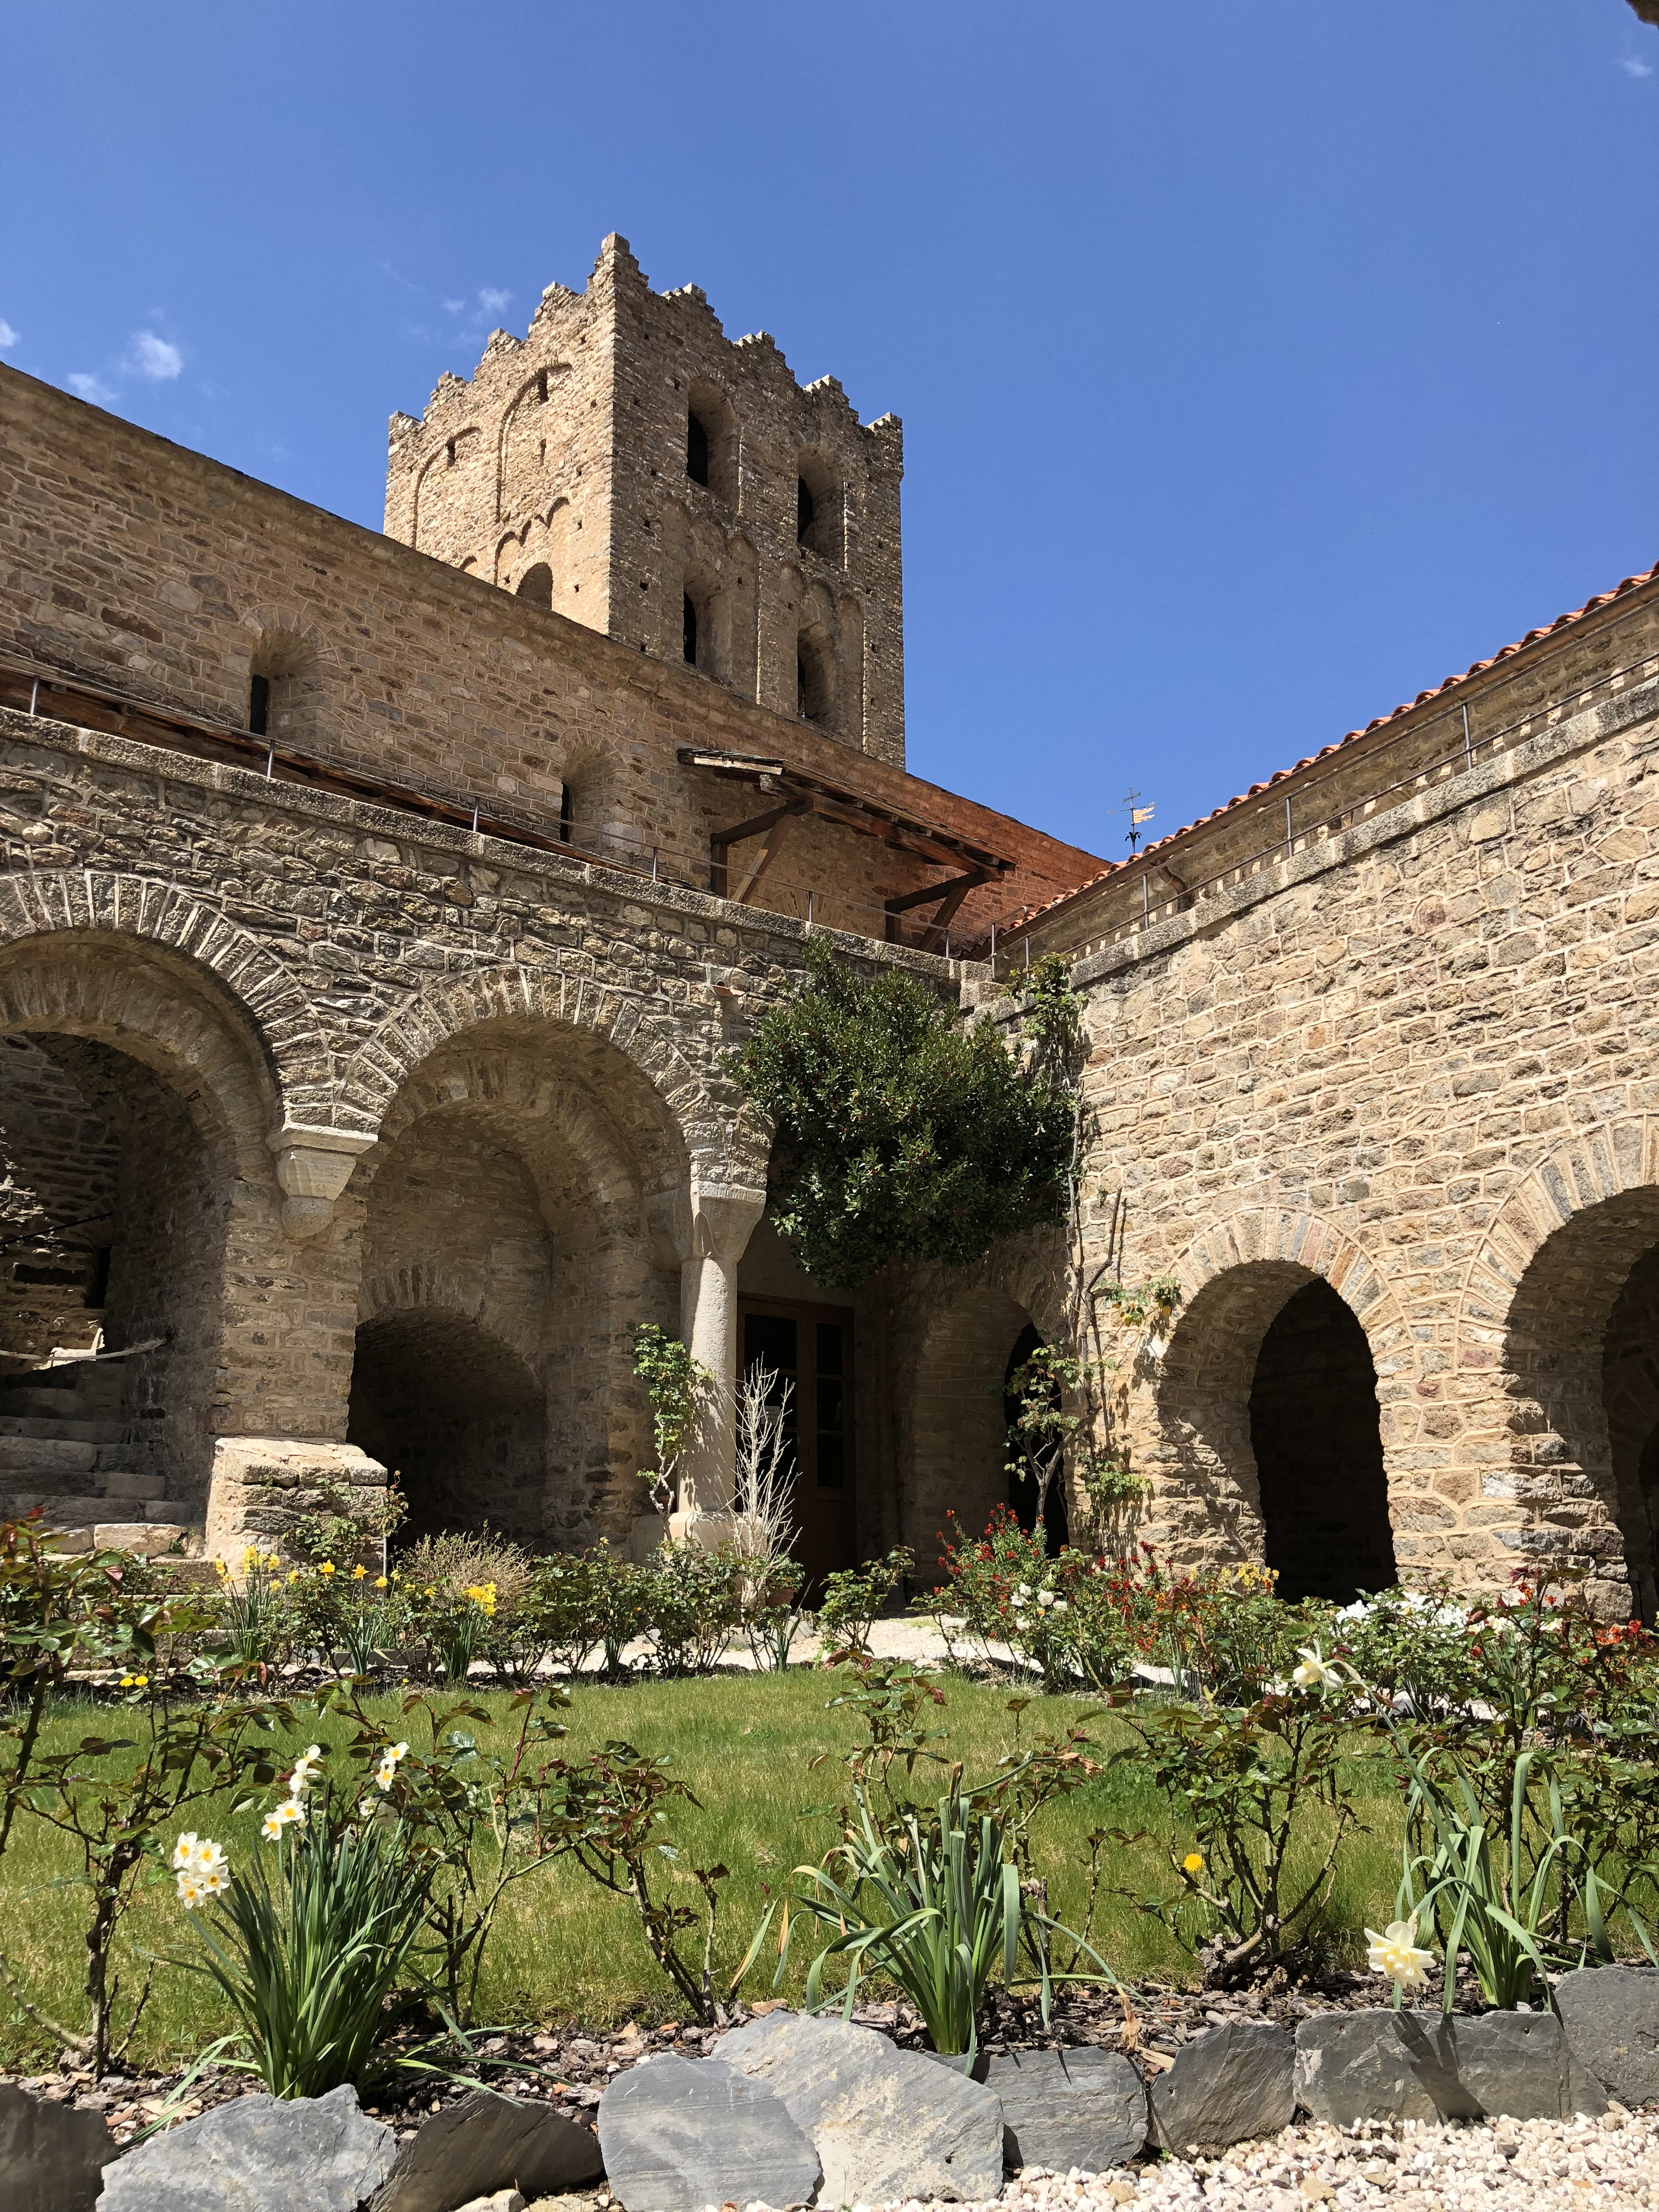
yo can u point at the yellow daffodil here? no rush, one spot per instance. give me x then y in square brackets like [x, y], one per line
[326, 1568]
[359, 1573]
[1394, 1952]
[379, 1581]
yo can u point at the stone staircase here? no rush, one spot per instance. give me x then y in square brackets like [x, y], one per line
[63, 1448]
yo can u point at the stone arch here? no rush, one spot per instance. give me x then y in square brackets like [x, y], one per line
[462, 450]
[1238, 1279]
[522, 427]
[173, 1073]
[709, 409]
[821, 506]
[222, 964]
[676, 1118]
[277, 642]
[958, 1360]
[1553, 1308]
[511, 1187]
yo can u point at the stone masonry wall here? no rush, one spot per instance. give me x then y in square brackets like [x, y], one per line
[559, 469]
[138, 565]
[1418, 1060]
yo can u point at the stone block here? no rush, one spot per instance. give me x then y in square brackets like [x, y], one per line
[679, 2134]
[259, 1488]
[1064, 2108]
[52, 2158]
[1231, 2085]
[1387, 2065]
[1611, 2015]
[487, 2143]
[258, 2154]
[885, 2124]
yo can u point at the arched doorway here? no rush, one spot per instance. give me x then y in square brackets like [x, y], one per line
[1270, 1435]
[459, 1419]
[1581, 1356]
[1319, 1451]
[958, 1420]
[1024, 1462]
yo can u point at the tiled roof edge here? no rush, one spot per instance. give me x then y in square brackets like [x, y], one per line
[1477, 668]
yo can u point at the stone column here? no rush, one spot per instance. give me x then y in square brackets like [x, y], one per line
[722, 1218]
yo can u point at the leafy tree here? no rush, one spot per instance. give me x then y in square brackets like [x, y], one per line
[903, 1133]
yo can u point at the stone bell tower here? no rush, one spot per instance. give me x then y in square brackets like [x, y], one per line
[627, 466]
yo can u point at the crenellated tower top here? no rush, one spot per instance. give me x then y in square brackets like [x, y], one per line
[627, 465]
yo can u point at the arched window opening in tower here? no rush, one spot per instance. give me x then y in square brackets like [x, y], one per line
[813, 689]
[1318, 1447]
[1025, 1456]
[258, 706]
[696, 448]
[805, 511]
[536, 585]
[691, 630]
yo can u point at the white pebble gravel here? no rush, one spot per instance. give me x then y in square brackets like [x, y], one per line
[1498, 2166]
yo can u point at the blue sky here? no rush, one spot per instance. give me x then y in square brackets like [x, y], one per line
[1259, 365]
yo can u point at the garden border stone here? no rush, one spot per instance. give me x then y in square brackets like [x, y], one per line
[1231, 2085]
[485, 2143]
[51, 2157]
[885, 2124]
[1612, 2018]
[679, 2134]
[1381, 2064]
[1084, 2106]
[257, 2154]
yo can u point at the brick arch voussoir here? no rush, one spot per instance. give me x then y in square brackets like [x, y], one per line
[1308, 1242]
[1595, 1164]
[248, 1001]
[702, 1123]
[425, 1286]
[271, 618]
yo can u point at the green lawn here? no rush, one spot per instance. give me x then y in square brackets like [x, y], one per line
[566, 1950]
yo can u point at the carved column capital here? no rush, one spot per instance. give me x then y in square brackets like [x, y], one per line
[313, 1166]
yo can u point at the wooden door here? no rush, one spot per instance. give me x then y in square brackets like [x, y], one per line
[811, 1348]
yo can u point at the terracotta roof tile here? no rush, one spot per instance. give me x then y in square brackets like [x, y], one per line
[1451, 683]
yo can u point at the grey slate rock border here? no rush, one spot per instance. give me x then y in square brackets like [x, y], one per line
[1230, 2086]
[1611, 2019]
[885, 2124]
[1387, 2065]
[487, 2143]
[1081, 2107]
[258, 2154]
[51, 2157]
[679, 2134]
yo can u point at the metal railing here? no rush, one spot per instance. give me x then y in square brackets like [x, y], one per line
[617, 847]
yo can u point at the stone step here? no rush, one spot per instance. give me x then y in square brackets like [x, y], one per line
[27, 1455]
[68, 1432]
[64, 1404]
[57, 1510]
[121, 1482]
[144, 1539]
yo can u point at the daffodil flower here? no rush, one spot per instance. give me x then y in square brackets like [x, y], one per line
[289, 1814]
[1314, 1673]
[1394, 1952]
[184, 1851]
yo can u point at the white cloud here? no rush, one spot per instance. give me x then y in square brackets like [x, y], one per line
[454, 306]
[90, 388]
[155, 357]
[1633, 66]
[8, 336]
[492, 301]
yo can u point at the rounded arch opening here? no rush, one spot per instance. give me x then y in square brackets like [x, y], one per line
[457, 1414]
[285, 688]
[1027, 1494]
[536, 587]
[1581, 1370]
[1271, 1425]
[959, 1417]
[820, 508]
[711, 441]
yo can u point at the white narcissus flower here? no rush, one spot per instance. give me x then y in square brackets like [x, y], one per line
[1315, 1672]
[1394, 1952]
[184, 1851]
[289, 1814]
[191, 1890]
[209, 1857]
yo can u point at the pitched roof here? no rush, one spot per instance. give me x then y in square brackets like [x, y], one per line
[1436, 691]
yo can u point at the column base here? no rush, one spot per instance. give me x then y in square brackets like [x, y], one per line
[709, 1532]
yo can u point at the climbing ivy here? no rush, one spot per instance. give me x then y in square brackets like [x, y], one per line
[903, 1133]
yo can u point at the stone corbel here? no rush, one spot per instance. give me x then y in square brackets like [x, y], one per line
[313, 1166]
